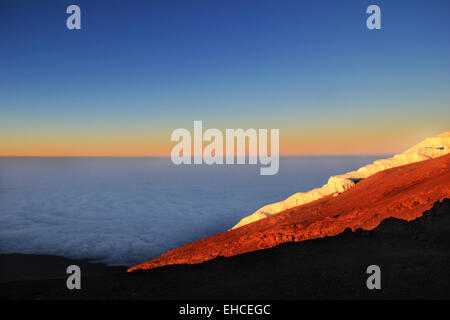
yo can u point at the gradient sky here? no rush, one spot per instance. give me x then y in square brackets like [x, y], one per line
[139, 69]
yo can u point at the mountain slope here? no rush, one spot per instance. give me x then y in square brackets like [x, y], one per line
[403, 192]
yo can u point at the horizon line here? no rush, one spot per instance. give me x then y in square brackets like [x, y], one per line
[168, 156]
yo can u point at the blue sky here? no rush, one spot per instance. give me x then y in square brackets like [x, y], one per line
[144, 68]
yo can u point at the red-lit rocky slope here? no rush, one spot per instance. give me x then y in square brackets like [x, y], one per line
[403, 192]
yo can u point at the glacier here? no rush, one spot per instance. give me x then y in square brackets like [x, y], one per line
[429, 148]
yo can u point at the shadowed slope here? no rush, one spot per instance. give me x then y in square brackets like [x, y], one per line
[414, 258]
[403, 192]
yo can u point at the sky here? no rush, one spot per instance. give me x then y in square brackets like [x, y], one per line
[137, 70]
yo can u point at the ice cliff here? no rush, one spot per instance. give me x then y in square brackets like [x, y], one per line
[428, 149]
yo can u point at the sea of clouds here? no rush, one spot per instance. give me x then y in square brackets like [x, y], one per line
[122, 211]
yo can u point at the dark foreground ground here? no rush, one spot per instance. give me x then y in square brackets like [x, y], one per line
[414, 258]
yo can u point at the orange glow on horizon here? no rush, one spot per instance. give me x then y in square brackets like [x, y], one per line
[293, 141]
[289, 146]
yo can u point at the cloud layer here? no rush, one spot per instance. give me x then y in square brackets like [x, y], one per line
[124, 210]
